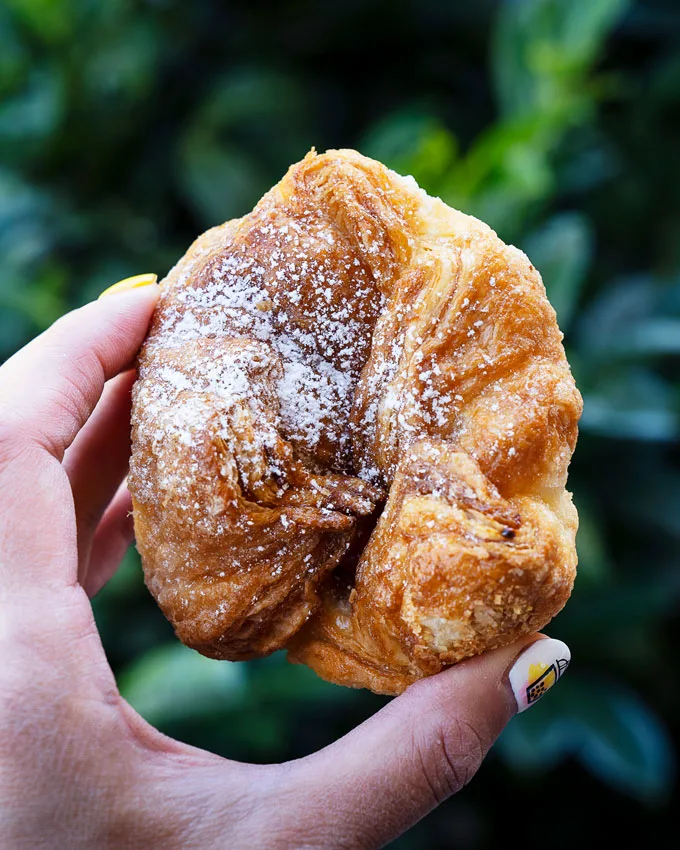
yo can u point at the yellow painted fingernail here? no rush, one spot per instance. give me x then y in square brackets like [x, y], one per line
[134, 282]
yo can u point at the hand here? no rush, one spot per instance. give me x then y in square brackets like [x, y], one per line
[78, 767]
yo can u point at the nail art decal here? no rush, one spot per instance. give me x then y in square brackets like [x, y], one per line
[537, 669]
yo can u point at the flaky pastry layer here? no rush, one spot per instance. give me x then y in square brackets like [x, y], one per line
[351, 433]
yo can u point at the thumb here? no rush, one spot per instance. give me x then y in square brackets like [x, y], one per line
[384, 776]
[51, 386]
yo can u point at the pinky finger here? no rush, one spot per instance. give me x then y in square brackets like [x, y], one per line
[112, 538]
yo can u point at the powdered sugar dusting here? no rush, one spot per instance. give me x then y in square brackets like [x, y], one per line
[284, 290]
[285, 331]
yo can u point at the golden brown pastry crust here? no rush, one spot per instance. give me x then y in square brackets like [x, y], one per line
[351, 433]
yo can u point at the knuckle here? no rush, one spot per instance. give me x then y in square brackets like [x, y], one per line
[450, 758]
[77, 377]
[464, 747]
[69, 401]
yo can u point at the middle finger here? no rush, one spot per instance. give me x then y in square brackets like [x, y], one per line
[97, 461]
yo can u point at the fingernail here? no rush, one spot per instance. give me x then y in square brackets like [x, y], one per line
[130, 283]
[537, 669]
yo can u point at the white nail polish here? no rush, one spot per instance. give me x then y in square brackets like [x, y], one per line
[537, 669]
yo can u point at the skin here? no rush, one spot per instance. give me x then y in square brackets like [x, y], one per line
[79, 768]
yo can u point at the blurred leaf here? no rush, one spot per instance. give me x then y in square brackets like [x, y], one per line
[606, 726]
[655, 337]
[249, 97]
[507, 168]
[172, 682]
[50, 20]
[561, 250]
[40, 300]
[29, 117]
[221, 181]
[32, 286]
[411, 142]
[543, 50]
[14, 59]
[586, 161]
[542, 53]
[623, 742]
[653, 501]
[633, 404]
[275, 679]
[603, 613]
[540, 45]
[632, 320]
[224, 150]
[594, 567]
[124, 68]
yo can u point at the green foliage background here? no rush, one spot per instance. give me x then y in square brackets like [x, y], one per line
[128, 127]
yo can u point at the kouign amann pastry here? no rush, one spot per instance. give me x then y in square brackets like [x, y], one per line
[351, 432]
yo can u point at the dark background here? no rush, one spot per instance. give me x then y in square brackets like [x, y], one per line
[127, 128]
